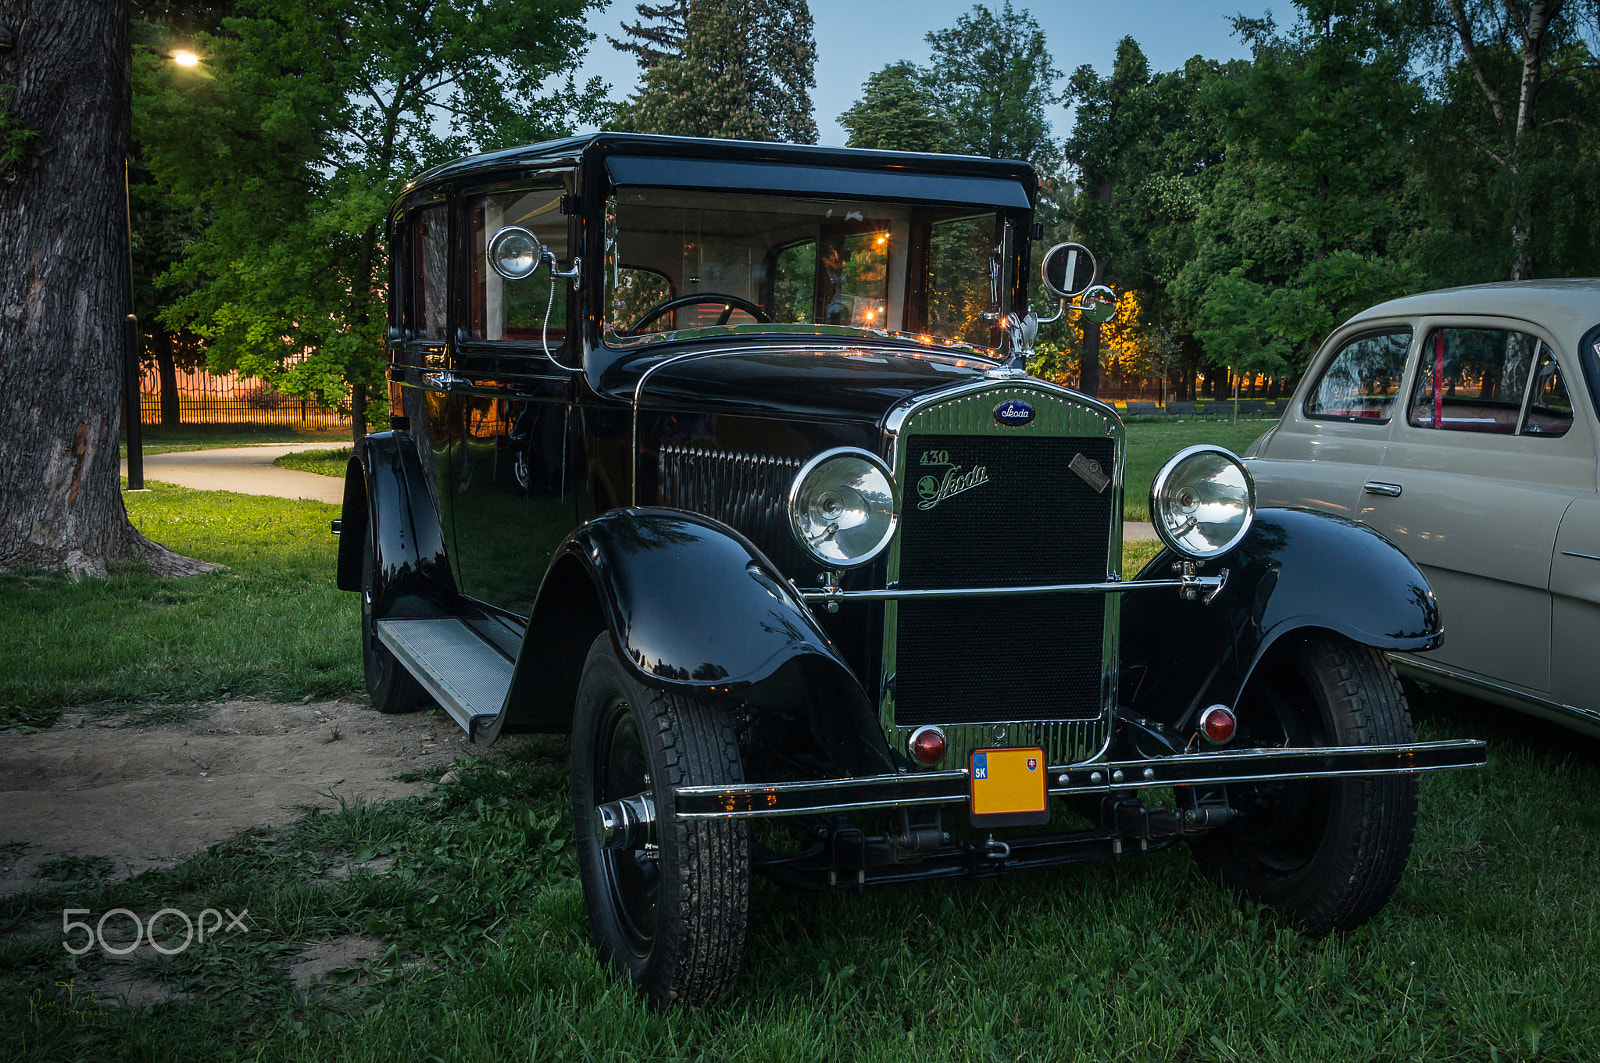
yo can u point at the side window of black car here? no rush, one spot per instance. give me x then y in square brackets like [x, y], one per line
[1361, 382]
[430, 257]
[517, 311]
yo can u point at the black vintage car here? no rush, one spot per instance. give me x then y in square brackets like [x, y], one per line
[721, 457]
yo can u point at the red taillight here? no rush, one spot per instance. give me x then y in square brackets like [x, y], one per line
[1217, 724]
[927, 745]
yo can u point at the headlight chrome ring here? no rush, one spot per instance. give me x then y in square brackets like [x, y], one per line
[842, 507]
[1203, 502]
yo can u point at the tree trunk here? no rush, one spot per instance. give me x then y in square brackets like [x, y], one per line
[167, 374]
[1089, 361]
[64, 293]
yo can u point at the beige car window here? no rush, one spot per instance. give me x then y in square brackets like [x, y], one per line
[430, 249]
[1362, 380]
[1472, 380]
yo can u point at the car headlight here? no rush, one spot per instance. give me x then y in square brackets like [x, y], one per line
[1202, 502]
[841, 507]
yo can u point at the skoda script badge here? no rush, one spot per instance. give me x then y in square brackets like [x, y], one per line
[1014, 412]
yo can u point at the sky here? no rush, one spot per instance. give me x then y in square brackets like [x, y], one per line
[857, 37]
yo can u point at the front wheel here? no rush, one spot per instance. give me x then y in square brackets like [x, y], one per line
[1327, 853]
[671, 915]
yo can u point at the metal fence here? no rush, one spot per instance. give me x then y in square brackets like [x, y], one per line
[205, 398]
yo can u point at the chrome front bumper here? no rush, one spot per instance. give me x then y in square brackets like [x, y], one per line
[820, 796]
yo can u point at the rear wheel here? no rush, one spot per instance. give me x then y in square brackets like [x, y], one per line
[1327, 853]
[392, 688]
[672, 917]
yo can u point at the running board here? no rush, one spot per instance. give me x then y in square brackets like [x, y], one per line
[466, 675]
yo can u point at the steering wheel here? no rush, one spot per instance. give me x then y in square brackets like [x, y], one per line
[732, 302]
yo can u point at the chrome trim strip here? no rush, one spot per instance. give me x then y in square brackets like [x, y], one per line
[763, 800]
[1489, 690]
[1192, 584]
[1574, 553]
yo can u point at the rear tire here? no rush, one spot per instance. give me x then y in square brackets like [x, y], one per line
[391, 687]
[671, 919]
[1327, 853]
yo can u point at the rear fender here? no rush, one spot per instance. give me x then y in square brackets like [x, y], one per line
[386, 496]
[1295, 570]
[691, 606]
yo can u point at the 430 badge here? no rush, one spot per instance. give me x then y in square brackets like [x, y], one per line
[935, 488]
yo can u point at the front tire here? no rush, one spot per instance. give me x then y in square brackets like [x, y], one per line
[1327, 853]
[672, 919]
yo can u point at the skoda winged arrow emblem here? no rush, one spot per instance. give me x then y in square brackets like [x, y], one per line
[1013, 412]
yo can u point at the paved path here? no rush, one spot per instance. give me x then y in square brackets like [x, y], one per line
[249, 471]
[246, 470]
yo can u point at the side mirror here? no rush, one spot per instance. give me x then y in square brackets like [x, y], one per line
[1097, 305]
[1068, 270]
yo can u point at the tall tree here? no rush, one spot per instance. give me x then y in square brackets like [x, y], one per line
[746, 73]
[1313, 215]
[64, 289]
[1518, 87]
[306, 119]
[897, 111]
[658, 35]
[992, 75]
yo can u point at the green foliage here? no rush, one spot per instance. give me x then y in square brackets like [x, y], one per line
[321, 462]
[746, 73]
[991, 76]
[292, 138]
[897, 111]
[659, 34]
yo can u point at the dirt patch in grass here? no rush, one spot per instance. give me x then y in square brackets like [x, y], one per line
[350, 950]
[113, 799]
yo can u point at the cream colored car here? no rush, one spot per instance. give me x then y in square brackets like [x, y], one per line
[1462, 425]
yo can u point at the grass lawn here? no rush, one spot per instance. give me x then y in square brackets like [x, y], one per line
[323, 462]
[271, 624]
[1486, 952]
[155, 439]
[1152, 442]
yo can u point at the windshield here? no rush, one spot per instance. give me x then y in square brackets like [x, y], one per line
[696, 259]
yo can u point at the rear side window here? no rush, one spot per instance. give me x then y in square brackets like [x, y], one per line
[1478, 380]
[1362, 380]
[430, 251]
[516, 310]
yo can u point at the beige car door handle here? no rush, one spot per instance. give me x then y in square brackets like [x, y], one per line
[1378, 487]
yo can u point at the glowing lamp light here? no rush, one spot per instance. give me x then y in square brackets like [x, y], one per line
[185, 58]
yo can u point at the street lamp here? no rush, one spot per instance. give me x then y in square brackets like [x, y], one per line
[131, 412]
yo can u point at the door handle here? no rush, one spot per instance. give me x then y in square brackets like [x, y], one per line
[1378, 487]
[447, 381]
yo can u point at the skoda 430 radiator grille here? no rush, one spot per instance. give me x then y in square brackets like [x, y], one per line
[992, 504]
[1029, 519]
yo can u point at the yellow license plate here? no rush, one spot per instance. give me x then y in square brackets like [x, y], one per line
[1008, 787]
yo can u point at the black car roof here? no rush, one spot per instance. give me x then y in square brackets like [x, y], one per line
[637, 144]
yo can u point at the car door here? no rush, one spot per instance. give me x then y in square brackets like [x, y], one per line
[1483, 463]
[1328, 445]
[513, 494]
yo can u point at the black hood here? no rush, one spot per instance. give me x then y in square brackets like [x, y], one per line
[857, 383]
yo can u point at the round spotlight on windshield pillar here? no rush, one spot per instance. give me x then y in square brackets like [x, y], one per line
[1203, 502]
[515, 253]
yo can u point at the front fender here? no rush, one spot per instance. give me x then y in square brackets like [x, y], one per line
[692, 606]
[1295, 570]
[386, 497]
